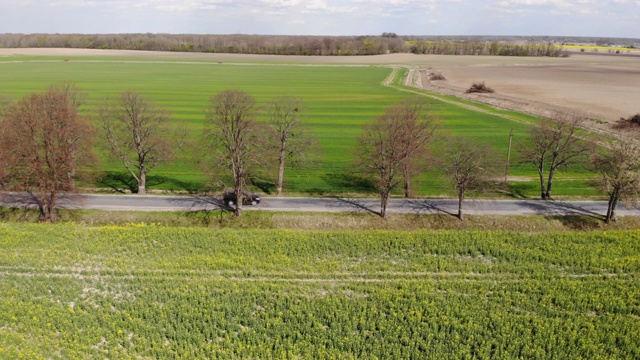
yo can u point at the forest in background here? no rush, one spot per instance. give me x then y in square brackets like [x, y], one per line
[295, 45]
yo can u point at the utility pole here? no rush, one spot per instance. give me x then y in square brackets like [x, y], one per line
[506, 171]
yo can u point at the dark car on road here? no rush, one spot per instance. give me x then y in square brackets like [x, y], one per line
[230, 198]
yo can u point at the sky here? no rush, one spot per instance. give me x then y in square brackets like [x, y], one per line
[613, 18]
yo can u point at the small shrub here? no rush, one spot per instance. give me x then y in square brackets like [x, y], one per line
[436, 76]
[630, 122]
[479, 88]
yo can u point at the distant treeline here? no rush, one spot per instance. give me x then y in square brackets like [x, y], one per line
[486, 48]
[233, 44]
[281, 44]
[624, 42]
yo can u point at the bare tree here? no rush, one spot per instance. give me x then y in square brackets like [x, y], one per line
[418, 126]
[44, 141]
[140, 134]
[389, 145]
[468, 166]
[75, 98]
[620, 170]
[233, 138]
[554, 144]
[291, 138]
[380, 157]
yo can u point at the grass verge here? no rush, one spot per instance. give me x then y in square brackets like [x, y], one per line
[329, 221]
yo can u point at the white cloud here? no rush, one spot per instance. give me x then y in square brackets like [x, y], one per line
[317, 5]
[281, 2]
[325, 17]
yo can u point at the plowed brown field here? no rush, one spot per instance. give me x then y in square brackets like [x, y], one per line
[602, 87]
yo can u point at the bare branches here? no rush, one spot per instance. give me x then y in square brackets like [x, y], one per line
[392, 144]
[139, 134]
[417, 124]
[619, 167]
[467, 165]
[75, 96]
[554, 144]
[381, 158]
[43, 142]
[291, 138]
[233, 138]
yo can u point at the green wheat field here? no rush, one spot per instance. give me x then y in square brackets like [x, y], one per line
[339, 100]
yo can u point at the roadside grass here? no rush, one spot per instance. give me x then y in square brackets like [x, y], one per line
[340, 99]
[221, 219]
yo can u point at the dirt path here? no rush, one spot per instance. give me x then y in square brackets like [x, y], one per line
[414, 79]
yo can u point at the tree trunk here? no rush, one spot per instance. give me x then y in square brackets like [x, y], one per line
[281, 172]
[607, 218]
[238, 211]
[549, 183]
[47, 207]
[611, 208]
[239, 199]
[384, 200]
[407, 180]
[72, 174]
[543, 192]
[460, 202]
[142, 183]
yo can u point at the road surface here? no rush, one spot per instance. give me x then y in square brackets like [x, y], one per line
[328, 204]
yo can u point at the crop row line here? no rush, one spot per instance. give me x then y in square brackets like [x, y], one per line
[293, 277]
[256, 279]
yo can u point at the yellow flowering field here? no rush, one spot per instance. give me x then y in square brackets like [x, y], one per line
[141, 291]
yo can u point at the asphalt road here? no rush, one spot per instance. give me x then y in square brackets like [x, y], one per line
[329, 204]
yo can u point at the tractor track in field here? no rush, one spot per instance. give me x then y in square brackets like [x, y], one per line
[301, 277]
[252, 276]
[417, 84]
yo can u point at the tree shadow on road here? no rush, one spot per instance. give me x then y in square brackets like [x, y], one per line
[427, 206]
[559, 208]
[205, 208]
[354, 205]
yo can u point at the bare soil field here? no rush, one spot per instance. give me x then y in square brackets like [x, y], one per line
[601, 87]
